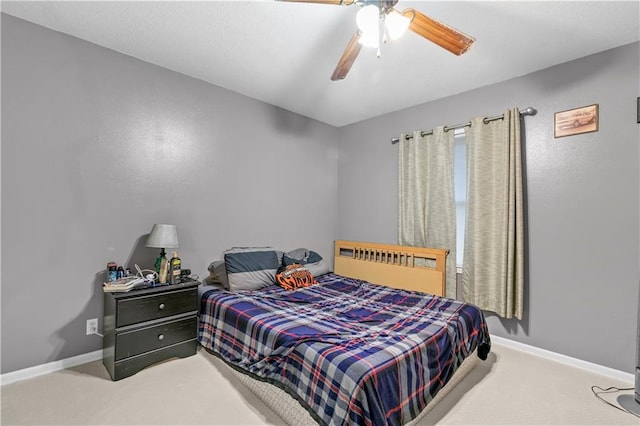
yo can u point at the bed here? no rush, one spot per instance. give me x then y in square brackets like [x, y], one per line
[373, 342]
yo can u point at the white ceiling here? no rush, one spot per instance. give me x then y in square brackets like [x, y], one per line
[284, 53]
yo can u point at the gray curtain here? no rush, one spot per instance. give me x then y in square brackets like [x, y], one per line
[427, 211]
[493, 266]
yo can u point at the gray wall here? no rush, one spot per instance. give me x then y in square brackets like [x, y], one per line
[582, 191]
[98, 146]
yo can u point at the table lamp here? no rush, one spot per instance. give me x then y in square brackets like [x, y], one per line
[162, 236]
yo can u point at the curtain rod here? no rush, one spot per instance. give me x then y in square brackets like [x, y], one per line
[526, 111]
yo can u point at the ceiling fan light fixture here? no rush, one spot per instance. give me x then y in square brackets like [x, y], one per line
[396, 24]
[370, 39]
[367, 18]
[368, 21]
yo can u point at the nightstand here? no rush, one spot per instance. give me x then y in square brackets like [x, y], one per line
[142, 327]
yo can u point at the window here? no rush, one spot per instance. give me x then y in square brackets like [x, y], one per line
[460, 190]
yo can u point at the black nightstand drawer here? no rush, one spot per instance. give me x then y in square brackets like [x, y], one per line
[146, 339]
[150, 307]
[129, 366]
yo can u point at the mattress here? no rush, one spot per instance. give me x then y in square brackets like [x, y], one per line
[349, 351]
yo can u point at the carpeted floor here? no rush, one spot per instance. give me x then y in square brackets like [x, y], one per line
[510, 388]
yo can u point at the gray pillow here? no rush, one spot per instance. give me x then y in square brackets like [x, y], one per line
[309, 258]
[251, 268]
[301, 256]
[318, 268]
[218, 273]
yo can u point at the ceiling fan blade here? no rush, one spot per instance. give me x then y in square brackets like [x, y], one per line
[442, 35]
[348, 58]
[336, 2]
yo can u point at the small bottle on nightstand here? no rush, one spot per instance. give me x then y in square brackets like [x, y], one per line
[175, 264]
[162, 268]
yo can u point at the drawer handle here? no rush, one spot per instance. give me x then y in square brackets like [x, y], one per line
[161, 306]
[161, 337]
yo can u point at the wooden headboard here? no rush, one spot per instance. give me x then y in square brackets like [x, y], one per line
[393, 266]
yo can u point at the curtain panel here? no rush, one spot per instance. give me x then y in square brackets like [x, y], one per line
[493, 265]
[427, 211]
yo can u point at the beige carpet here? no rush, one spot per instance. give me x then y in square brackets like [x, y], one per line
[510, 388]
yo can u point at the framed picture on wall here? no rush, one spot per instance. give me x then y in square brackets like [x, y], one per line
[575, 121]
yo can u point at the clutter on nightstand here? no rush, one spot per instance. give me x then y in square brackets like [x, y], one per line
[125, 281]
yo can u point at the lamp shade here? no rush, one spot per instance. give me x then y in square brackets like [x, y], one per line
[163, 236]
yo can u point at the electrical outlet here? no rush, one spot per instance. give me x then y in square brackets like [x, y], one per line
[92, 326]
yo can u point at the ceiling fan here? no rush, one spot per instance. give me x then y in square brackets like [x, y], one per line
[378, 18]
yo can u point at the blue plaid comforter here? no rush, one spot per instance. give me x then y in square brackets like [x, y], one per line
[351, 352]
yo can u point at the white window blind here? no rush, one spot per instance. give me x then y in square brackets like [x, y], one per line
[460, 190]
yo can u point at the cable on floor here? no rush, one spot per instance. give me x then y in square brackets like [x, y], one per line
[611, 389]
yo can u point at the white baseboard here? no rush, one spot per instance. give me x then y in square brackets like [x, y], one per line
[39, 370]
[50, 367]
[564, 359]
